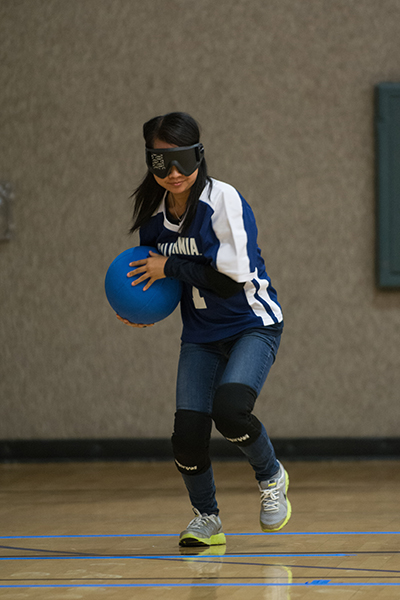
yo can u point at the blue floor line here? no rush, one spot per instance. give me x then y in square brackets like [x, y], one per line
[177, 556]
[151, 535]
[216, 584]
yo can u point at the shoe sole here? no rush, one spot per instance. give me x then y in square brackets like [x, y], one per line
[288, 514]
[189, 539]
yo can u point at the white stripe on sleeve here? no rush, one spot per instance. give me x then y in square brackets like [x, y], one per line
[227, 221]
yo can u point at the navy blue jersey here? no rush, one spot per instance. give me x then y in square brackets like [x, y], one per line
[223, 234]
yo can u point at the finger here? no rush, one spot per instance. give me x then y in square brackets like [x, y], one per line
[124, 320]
[136, 271]
[148, 284]
[140, 280]
[139, 325]
[138, 263]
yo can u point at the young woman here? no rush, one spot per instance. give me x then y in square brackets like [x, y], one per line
[206, 235]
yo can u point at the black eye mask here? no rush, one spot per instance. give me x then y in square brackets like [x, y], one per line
[185, 158]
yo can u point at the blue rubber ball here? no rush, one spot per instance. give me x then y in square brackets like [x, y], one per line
[131, 302]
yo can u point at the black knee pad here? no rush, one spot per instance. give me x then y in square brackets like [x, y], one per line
[191, 440]
[233, 403]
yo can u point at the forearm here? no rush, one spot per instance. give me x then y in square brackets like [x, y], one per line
[201, 276]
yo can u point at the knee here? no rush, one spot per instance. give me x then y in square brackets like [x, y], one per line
[190, 441]
[232, 408]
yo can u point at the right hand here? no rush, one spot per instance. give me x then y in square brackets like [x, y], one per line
[149, 269]
[140, 325]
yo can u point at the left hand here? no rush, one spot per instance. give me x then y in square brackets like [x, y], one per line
[139, 325]
[151, 268]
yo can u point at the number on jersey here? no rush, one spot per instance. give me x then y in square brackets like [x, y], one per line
[198, 300]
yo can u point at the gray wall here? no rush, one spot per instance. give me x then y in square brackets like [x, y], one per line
[283, 90]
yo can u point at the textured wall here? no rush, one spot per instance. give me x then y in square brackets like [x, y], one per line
[284, 92]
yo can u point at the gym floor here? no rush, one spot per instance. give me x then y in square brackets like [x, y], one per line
[110, 530]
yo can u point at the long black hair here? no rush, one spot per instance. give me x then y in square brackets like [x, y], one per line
[176, 128]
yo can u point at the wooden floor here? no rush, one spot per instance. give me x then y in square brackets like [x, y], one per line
[109, 530]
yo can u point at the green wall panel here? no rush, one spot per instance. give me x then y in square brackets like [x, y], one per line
[388, 183]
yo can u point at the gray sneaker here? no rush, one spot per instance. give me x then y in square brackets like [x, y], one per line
[275, 506]
[203, 530]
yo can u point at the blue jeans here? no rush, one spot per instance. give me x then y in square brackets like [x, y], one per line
[246, 359]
